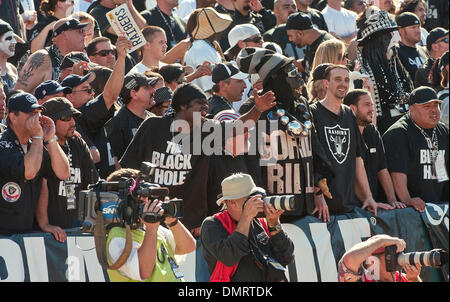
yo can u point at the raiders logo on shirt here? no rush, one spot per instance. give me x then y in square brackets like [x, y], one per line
[338, 140]
[11, 192]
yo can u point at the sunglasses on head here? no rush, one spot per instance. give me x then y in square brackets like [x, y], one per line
[66, 118]
[105, 52]
[256, 39]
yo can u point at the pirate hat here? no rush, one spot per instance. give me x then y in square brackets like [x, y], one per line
[373, 23]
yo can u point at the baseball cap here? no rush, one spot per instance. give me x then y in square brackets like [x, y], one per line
[50, 87]
[299, 21]
[423, 95]
[75, 80]
[67, 24]
[319, 71]
[241, 32]
[434, 35]
[133, 82]
[56, 108]
[407, 19]
[162, 94]
[223, 71]
[72, 58]
[24, 102]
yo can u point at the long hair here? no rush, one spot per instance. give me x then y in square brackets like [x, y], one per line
[390, 76]
[330, 51]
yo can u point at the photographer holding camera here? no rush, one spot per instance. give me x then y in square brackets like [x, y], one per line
[366, 262]
[156, 250]
[237, 245]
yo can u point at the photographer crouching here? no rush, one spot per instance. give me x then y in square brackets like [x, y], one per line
[381, 259]
[156, 250]
[238, 246]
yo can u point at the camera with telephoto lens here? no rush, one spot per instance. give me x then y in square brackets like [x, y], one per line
[120, 201]
[279, 202]
[395, 261]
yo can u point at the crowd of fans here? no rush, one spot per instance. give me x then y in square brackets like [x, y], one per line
[374, 72]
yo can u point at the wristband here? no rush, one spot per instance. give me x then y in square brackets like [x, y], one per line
[54, 139]
[37, 137]
[173, 223]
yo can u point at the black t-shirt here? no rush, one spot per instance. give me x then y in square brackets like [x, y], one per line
[264, 20]
[373, 157]
[82, 173]
[407, 152]
[19, 197]
[279, 36]
[286, 162]
[40, 26]
[121, 129]
[341, 139]
[218, 103]
[185, 174]
[93, 118]
[412, 58]
[218, 245]
[99, 13]
[422, 73]
[310, 51]
[437, 14]
[172, 25]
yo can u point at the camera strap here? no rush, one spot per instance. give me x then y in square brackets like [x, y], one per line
[100, 244]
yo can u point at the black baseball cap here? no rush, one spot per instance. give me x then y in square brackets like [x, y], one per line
[72, 58]
[50, 87]
[133, 82]
[299, 21]
[407, 19]
[75, 80]
[24, 102]
[67, 24]
[4, 27]
[423, 95]
[58, 107]
[227, 70]
[434, 35]
[162, 94]
[319, 71]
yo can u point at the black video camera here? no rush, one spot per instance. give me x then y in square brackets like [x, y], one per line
[120, 201]
[395, 261]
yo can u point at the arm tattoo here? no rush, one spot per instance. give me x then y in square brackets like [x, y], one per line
[36, 61]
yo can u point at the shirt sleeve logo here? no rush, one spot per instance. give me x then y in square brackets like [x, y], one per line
[11, 192]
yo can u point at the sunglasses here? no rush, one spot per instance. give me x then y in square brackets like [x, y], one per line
[89, 90]
[66, 118]
[293, 73]
[105, 52]
[443, 40]
[256, 39]
[181, 80]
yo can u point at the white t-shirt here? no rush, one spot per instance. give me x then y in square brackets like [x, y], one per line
[141, 68]
[185, 8]
[341, 22]
[200, 52]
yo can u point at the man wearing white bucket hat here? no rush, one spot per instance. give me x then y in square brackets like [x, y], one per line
[237, 245]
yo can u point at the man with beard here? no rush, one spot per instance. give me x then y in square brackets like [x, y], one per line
[299, 166]
[342, 142]
[44, 64]
[8, 72]
[229, 87]
[178, 147]
[300, 31]
[137, 95]
[378, 58]
[417, 152]
[58, 202]
[361, 103]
